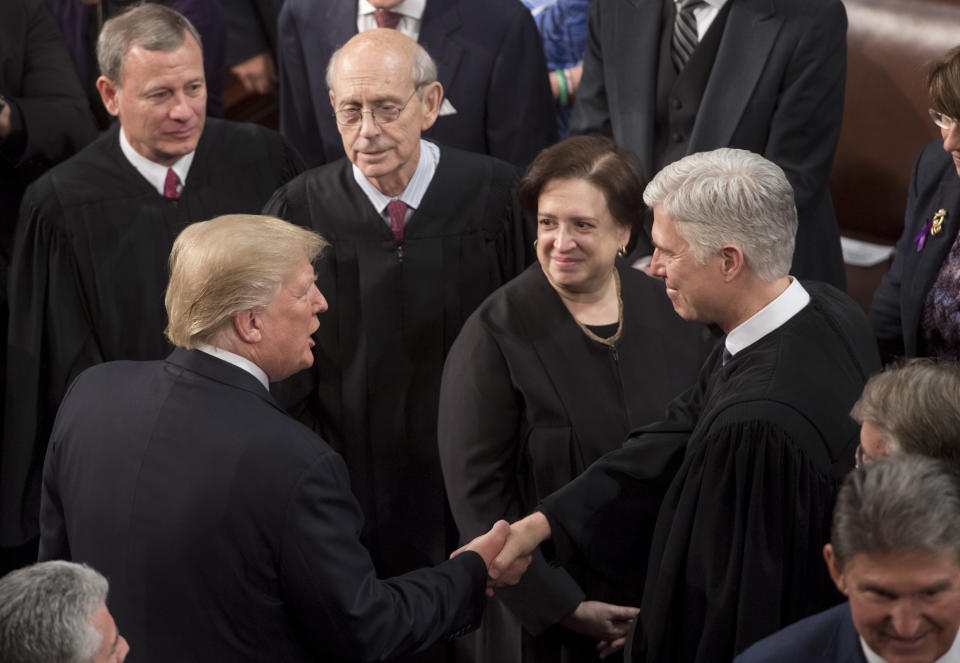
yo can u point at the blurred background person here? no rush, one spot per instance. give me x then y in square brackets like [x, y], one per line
[56, 612]
[916, 309]
[912, 407]
[552, 371]
[252, 42]
[894, 552]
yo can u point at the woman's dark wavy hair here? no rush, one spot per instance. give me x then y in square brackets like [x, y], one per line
[600, 162]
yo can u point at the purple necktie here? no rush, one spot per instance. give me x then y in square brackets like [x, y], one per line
[398, 213]
[386, 18]
[171, 186]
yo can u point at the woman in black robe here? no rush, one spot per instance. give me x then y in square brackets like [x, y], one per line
[551, 372]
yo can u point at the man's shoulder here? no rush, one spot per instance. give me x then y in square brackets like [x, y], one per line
[472, 163]
[94, 173]
[825, 636]
[820, 12]
[230, 140]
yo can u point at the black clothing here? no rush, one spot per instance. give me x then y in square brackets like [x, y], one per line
[394, 311]
[89, 273]
[227, 529]
[527, 402]
[732, 493]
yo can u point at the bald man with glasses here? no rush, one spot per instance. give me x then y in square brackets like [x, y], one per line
[420, 234]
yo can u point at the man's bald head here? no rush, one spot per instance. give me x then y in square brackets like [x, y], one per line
[386, 45]
[384, 92]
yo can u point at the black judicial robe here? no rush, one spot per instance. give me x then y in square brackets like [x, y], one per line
[393, 314]
[89, 273]
[732, 493]
[527, 402]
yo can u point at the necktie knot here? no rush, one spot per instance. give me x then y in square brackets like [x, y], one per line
[397, 209]
[171, 186]
[386, 18]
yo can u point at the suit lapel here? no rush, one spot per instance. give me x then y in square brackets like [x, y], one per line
[337, 23]
[633, 59]
[748, 37]
[441, 21]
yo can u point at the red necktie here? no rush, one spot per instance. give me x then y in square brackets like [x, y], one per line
[171, 186]
[386, 18]
[398, 213]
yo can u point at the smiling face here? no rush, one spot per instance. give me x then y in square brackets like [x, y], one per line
[375, 70]
[287, 324]
[577, 238]
[691, 287]
[161, 102]
[905, 606]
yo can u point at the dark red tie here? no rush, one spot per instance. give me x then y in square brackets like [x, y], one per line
[386, 18]
[171, 186]
[398, 213]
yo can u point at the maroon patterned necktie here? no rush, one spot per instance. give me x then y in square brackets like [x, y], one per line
[171, 186]
[386, 18]
[398, 213]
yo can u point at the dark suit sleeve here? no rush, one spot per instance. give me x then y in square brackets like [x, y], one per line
[249, 26]
[885, 311]
[805, 126]
[520, 114]
[50, 106]
[297, 123]
[479, 437]
[591, 114]
[343, 608]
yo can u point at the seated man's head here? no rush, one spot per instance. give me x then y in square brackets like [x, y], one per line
[724, 228]
[894, 552]
[151, 67]
[912, 407]
[384, 92]
[245, 283]
[56, 612]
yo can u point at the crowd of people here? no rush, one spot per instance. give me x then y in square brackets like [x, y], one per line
[410, 379]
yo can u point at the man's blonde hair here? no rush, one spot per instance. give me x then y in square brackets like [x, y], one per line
[221, 267]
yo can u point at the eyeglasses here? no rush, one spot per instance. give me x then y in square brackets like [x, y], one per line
[385, 114]
[942, 120]
[861, 457]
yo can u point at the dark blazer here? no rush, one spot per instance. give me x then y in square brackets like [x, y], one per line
[898, 302]
[228, 530]
[776, 88]
[489, 58]
[827, 637]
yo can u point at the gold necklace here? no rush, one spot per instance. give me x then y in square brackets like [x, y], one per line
[616, 336]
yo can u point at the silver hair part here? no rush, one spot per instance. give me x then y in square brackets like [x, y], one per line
[151, 26]
[424, 69]
[902, 504]
[730, 196]
[46, 612]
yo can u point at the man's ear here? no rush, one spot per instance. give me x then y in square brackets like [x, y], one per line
[248, 326]
[833, 567]
[731, 262]
[432, 98]
[109, 94]
[333, 104]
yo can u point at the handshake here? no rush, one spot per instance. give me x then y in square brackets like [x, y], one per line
[507, 551]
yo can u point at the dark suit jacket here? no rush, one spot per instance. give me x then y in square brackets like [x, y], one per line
[227, 530]
[489, 58]
[898, 302]
[776, 88]
[827, 637]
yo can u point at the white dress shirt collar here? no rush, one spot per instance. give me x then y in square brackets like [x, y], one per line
[416, 187]
[238, 361]
[409, 24]
[790, 302]
[705, 14]
[153, 172]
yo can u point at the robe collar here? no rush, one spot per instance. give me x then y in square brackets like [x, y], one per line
[152, 171]
[790, 302]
